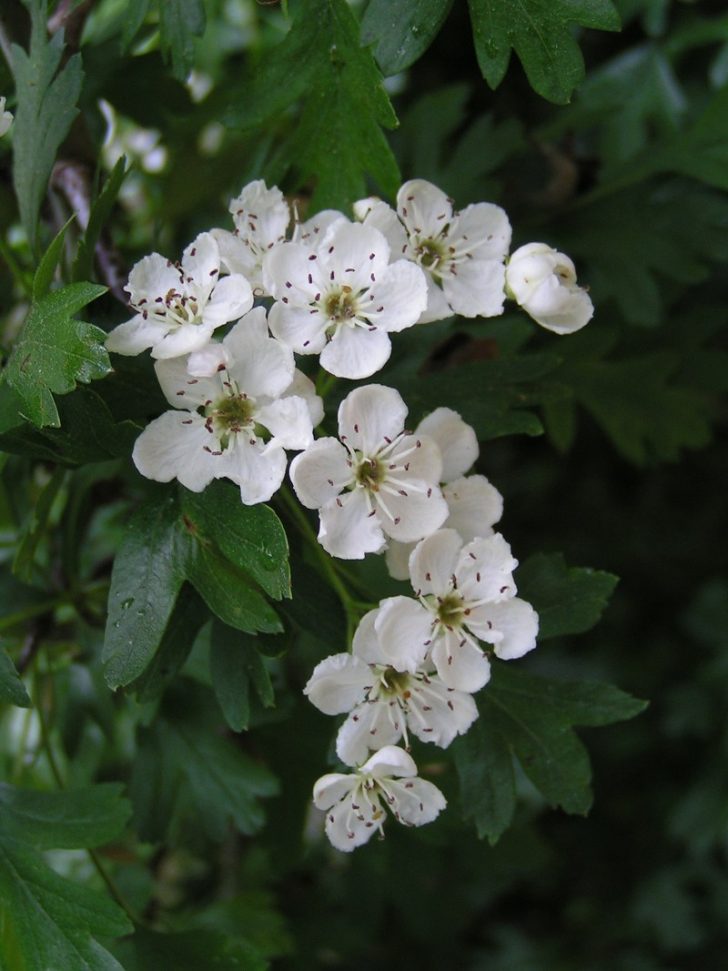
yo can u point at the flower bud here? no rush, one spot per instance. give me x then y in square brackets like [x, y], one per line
[543, 282]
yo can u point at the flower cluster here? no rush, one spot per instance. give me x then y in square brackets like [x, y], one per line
[339, 288]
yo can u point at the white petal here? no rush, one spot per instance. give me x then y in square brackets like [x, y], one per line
[355, 352]
[374, 212]
[235, 256]
[291, 271]
[330, 788]
[368, 727]
[174, 446]
[482, 229]
[299, 328]
[262, 366]
[201, 264]
[460, 664]
[485, 569]
[346, 528]
[439, 713]
[135, 335]
[347, 827]
[397, 559]
[260, 213]
[398, 298]
[474, 504]
[478, 288]
[365, 643]
[390, 761]
[438, 307]
[456, 440]
[231, 298]
[415, 803]
[434, 561]
[303, 387]
[184, 390]
[370, 416]
[289, 422]
[416, 457]
[257, 470]
[338, 683]
[320, 473]
[213, 357]
[254, 324]
[312, 230]
[571, 313]
[185, 339]
[511, 627]
[355, 254]
[153, 276]
[404, 629]
[423, 208]
[417, 513]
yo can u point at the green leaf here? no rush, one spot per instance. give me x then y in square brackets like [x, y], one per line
[402, 30]
[146, 579]
[163, 548]
[338, 139]
[190, 951]
[54, 351]
[187, 618]
[251, 537]
[532, 719]
[47, 921]
[83, 265]
[180, 21]
[136, 11]
[235, 663]
[186, 771]
[12, 689]
[46, 108]
[540, 32]
[47, 267]
[702, 151]
[569, 600]
[88, 433]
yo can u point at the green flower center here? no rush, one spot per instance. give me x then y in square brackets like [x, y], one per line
[370, 473]
[450, 610]
[232, 413]
[393, 684]
[430, 252]
[340, 305]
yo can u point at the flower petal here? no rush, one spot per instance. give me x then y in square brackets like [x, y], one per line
[338, 684]
[355, 254]
[374, 212]
[369, 726]
[485, 569]
[289, 422]
[330, 788]
[390, 761]
[370, 416]
[439, 713]
[182, 340]
[365, 643]
[433, 563]
[404, 629]
[460, 664]
[355, 352]
[231, 298]
[320, 473]
[347, 530]
[416, 802]
[474, 504]
[184, 390]
[423, 208]
[135, 335]
[511, 627]
[302, 330]
[456, 440]
[477, 289]
[412, 512]
[398, 298]
[256, 469]
[261, 366]
[175, 446]
[482, 229]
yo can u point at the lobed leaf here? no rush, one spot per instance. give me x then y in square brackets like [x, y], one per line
[402, 30]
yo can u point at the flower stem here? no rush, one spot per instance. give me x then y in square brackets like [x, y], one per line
[351, 608]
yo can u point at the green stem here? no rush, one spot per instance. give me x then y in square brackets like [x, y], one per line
[351, 608]
[67, 598]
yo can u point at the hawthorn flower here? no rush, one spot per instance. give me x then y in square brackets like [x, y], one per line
[474, 505]
[179, 305]
[338, 296]
[234, 423]
[261, 217]
[6, 118]
[543, 282]
[384, 702]
[353, 803]
[466, 594]
[375, 481]
[463, 253]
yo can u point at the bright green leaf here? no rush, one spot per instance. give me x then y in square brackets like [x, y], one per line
[540, 32]
[54, 351]
[46, 108]
[180, 21]
[569, 600]
[402, 30]
[47, 267]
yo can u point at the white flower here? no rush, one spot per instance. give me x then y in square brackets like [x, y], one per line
[474, 505]
[376, 481]
[543, 282]
[261, 216]
[462, 252]
[386, 702]
[353, 806]
[237, 421]
[179, 305]
[6, 118]
[339, 296]
[466, 594]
